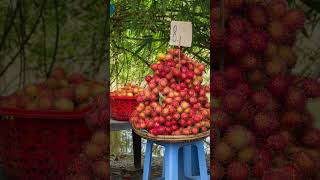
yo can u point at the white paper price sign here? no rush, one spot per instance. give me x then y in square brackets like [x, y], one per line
[181, 33]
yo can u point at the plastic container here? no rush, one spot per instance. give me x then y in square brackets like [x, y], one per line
[122, 107]
[41, 144]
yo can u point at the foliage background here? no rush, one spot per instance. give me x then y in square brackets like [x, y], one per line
[38, 35]
[140, 30]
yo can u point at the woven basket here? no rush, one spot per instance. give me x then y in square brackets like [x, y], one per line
[172, 138]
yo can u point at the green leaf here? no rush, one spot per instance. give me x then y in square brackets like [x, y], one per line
[305, 33]
[160, 98]
[145, 131]
[313, 4]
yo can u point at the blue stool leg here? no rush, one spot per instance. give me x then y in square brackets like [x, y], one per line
[171, 164]
[195, 161]
[181, 164]
[165, 159]
[187, 161]
[202, 161]
[147, 161]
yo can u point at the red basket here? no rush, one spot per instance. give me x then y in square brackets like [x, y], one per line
[122, 107]
[4, 134]
[41, 144]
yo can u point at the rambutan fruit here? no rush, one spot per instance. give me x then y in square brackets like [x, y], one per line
[265, 123]
[275, 67]
[247, 154]
[291, 119]
[238, 136]
[232, 101]
[263, 154]
[291, 172]
[217, 36]
[93, 151]
[79, 177]
[238, 170]
[258, 40]
[80, 165]
[216, 14]
[101, 169]
[217, 170]
[296, 98]
[221, 119]
[271, 50]
[234, 4]
[278, 85]
[250, 62]
[237, 25]
[277, 142]
[219, 84]
[277, 9]
[261, 98]
[260, 167]
[311, 138]
[278, 31]
[304, 162]
[279, 160]
[294, 19]
[236, 46]
[246, 114]
[243, 88]
[311, 87]
[288, 55]
[233, 74]
[256, 77]
[257, 15]
[100, 138]
[222, 152]
[274, 174]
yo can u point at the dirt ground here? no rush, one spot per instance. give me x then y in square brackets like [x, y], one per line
[122, 168]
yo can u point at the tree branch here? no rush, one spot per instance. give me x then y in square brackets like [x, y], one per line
[25, 41]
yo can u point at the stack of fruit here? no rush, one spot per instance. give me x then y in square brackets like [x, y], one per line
[265, 129]
[175, 100]
[93, 162]
[127, 90]
[59, 92]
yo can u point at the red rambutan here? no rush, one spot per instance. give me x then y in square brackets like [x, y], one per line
[291, 119]
[260, 167]
[278, 85]
[236, 46]
[238, 170]
[311, 138]
[238, 137]
[258, 40]
[296, 99]
[257, 15]
[222, 152]
[232, 101]
[221, 119]
[265, 123]
[250, 62]
[294, 19]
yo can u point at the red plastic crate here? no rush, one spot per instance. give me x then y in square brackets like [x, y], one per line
[41, 144]
[122, 107]
[4, 143]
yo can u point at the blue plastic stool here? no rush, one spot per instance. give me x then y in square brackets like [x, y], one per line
[181, 161]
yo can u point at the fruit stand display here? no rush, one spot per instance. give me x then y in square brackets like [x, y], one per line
[174, 103]
[123, 101]
[46, 124]
[264, 128]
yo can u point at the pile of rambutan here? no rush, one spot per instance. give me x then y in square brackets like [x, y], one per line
[93, 162]
[264, 128]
